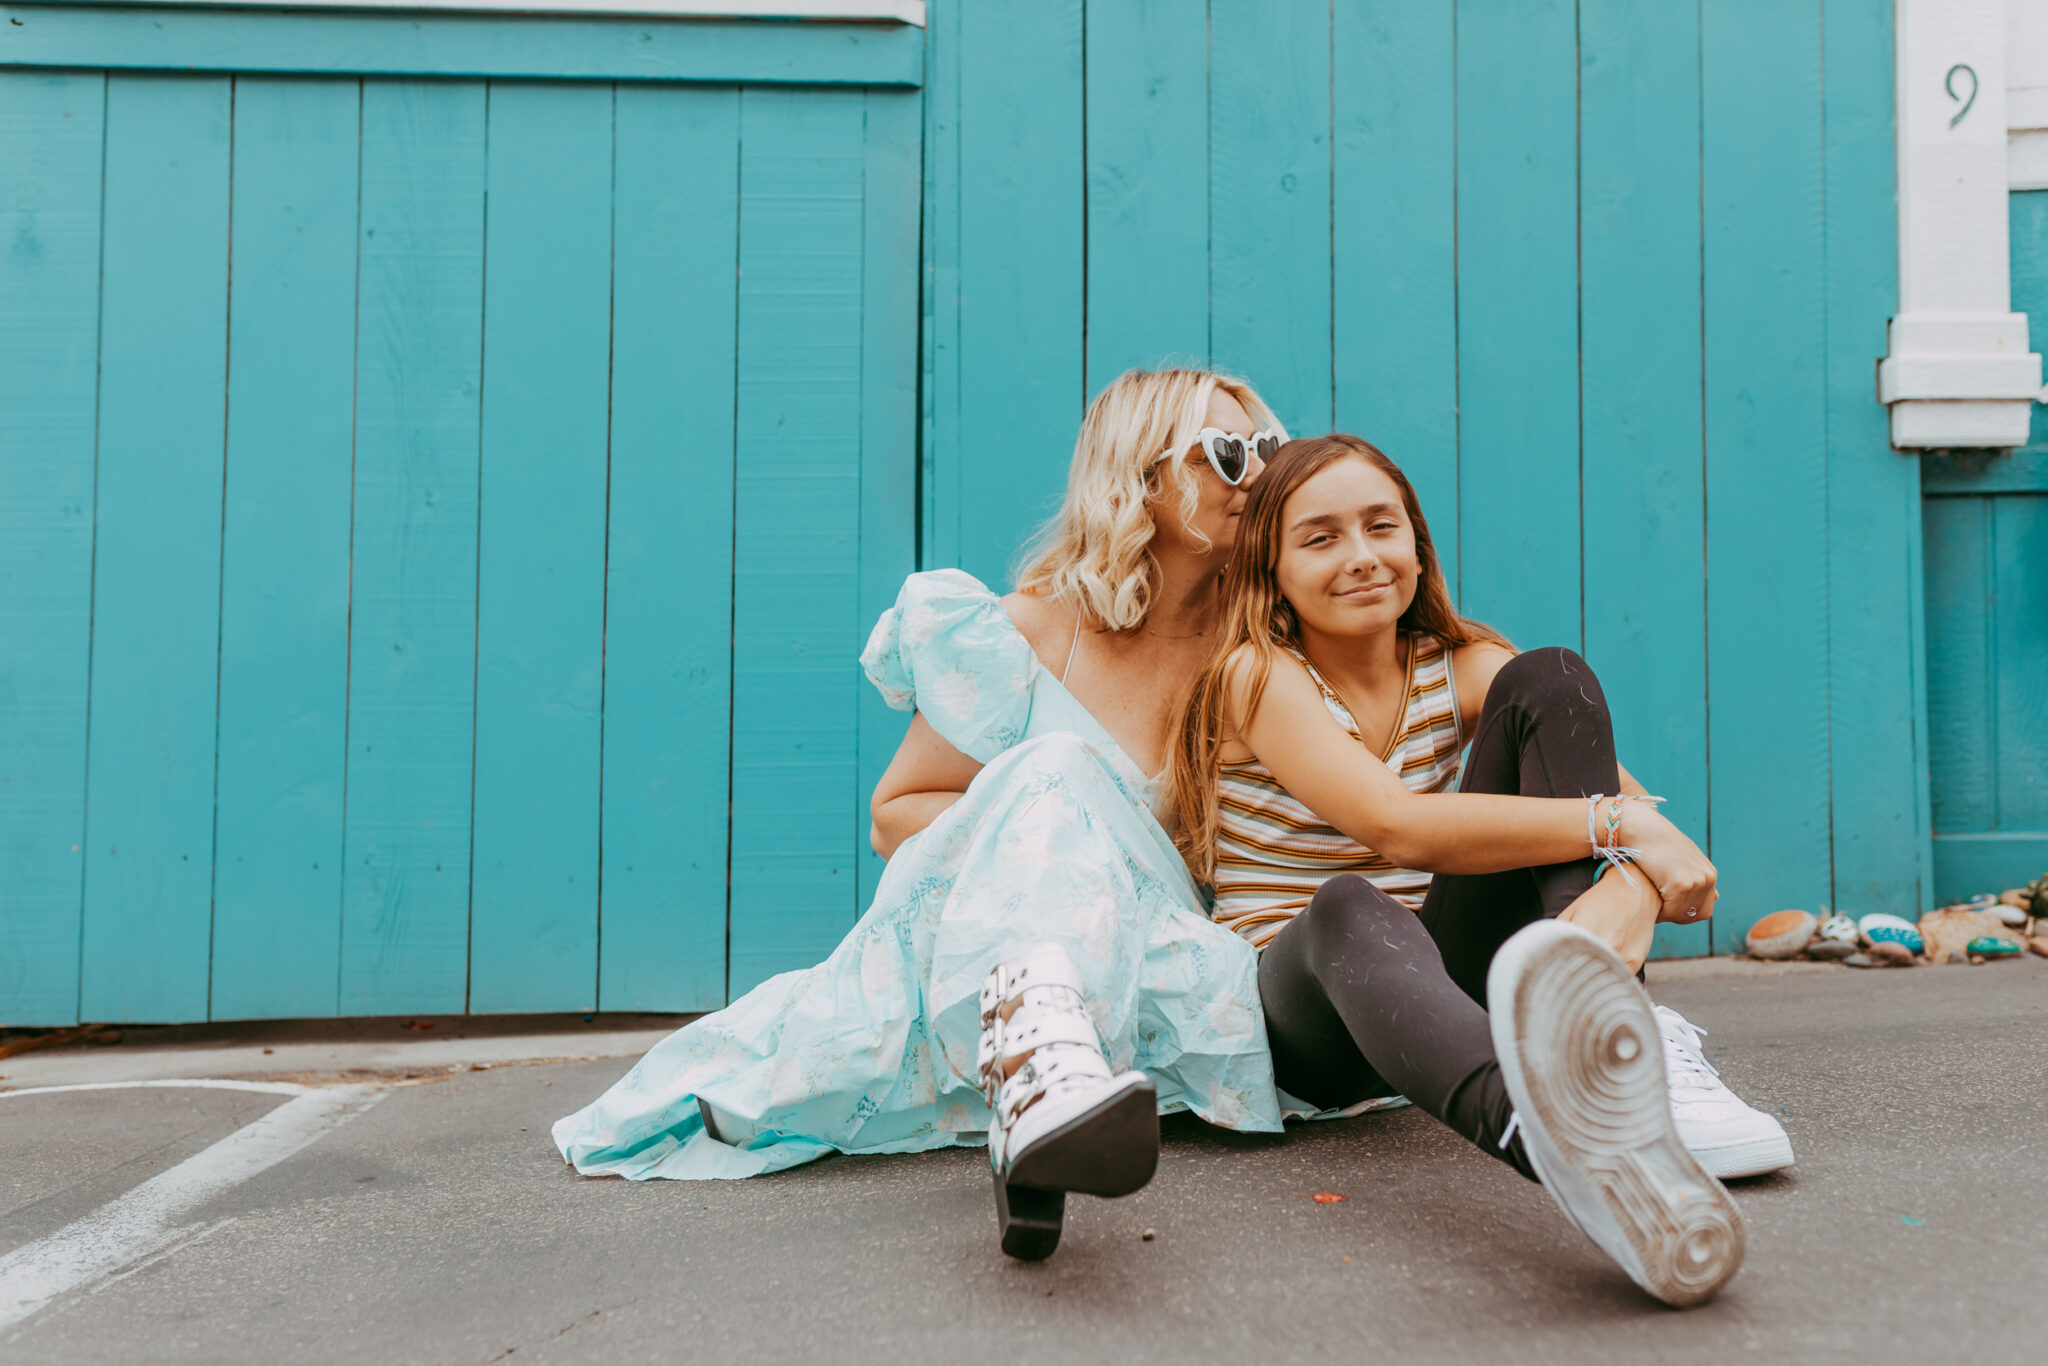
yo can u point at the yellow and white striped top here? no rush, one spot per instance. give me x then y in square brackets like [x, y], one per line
[1272, 853]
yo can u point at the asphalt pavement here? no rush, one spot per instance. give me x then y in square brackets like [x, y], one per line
[430, 1220]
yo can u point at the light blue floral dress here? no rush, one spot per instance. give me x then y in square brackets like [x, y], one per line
[873, 1050]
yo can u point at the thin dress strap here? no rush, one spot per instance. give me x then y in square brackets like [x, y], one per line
[1072, 650]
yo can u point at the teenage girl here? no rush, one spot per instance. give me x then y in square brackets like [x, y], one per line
[1317, 780]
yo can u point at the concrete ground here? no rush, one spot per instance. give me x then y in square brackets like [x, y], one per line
[438, 1225]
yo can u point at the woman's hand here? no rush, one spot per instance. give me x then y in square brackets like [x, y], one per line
[1683, 876]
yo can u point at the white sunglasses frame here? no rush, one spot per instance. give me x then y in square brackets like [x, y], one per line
[1208, 438]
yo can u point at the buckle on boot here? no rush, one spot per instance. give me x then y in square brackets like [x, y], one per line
[995, 989]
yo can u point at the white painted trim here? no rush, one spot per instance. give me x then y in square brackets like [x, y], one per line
[151, 1219]
[886, 11]
[1960, 372]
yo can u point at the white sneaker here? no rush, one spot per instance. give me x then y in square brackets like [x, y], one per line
[1577, 1048]
[1728, 1137]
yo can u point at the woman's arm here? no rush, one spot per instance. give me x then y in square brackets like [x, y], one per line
[1296, 738]
[926, 776]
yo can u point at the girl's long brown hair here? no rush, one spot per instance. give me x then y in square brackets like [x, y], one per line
[1255, 620]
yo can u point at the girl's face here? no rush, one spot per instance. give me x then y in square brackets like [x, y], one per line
[1347, 561]
[1219, 506]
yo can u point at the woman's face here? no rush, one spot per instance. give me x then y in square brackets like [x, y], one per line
[1347, 562]
[1219, 506]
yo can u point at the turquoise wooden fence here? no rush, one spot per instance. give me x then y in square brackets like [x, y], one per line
[1608, 278]
[1987, 632]
[447, 463]
[438, 511]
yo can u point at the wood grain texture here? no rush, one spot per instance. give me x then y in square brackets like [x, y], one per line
[1642, 453]
[284, 556]
[1962, 664]
[1393, 286]
[939, 307]
[156, 580]
[1767, 476]
[1518, 336]
[412, 647]
[2019, 598]
[1876, 701]
[888, 423]
[1021, 226]
[51, 134]
[668, 594]
[636, 48]
[796, 570]
[1269, 202]
[541, 546]
[1148, 187]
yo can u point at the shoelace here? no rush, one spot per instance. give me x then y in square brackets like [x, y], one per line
[1685, 1067]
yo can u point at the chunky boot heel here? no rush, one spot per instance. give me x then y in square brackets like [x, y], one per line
[1029, 1220]
[1064, 1121]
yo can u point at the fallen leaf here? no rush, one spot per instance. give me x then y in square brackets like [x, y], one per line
[1329, 1198]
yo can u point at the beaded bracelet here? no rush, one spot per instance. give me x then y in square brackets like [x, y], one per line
[1614, 853]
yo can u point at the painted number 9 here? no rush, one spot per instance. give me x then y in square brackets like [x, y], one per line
[1964, 69]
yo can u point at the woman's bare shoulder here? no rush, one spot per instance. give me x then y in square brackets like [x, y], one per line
[1046, 624]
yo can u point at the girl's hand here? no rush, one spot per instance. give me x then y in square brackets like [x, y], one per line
[1683, 876]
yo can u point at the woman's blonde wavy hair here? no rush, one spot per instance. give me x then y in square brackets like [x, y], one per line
[1256, 621]
[1096, 552]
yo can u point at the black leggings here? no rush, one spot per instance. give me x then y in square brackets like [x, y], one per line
[1366, 998]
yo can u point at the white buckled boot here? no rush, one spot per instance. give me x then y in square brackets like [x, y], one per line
[1063, 1120]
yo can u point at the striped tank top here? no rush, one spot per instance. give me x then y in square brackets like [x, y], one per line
[1272, 853]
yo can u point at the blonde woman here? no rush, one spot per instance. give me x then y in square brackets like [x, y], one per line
[1037, 967]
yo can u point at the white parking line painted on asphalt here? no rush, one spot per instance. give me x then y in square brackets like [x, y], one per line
[276, 1088]
[150, 1219]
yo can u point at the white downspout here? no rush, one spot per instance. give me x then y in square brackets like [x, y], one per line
[1959, 373]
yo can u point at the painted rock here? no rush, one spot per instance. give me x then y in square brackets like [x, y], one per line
[1880, 928]
[1892, 954]
[1828, 950]
[1983, 901]
[2011, 915]
[1991, 947]
[2015, 896]
[1859, 960]
[1782, 934]
[1841, 928]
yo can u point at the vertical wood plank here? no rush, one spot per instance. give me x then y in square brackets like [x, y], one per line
[668, 594]
[284, 552]
[1393, 286]
[888, 416]
[796, 569]
[50, 142]
[1269, 202]
[1021, 178]
[156, 583]
[1148, 183]
[1518, 336]
[1962, 677]
[412, 644]
[1767, 488]
[541, 544]
[939, 473]
[2019, 633]
[1882, 855]
[1639, 300]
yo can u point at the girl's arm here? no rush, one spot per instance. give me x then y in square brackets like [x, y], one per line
[926, 776]
[1310, 755]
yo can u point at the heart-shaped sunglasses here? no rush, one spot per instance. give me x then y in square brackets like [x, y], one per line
[1230, 455]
